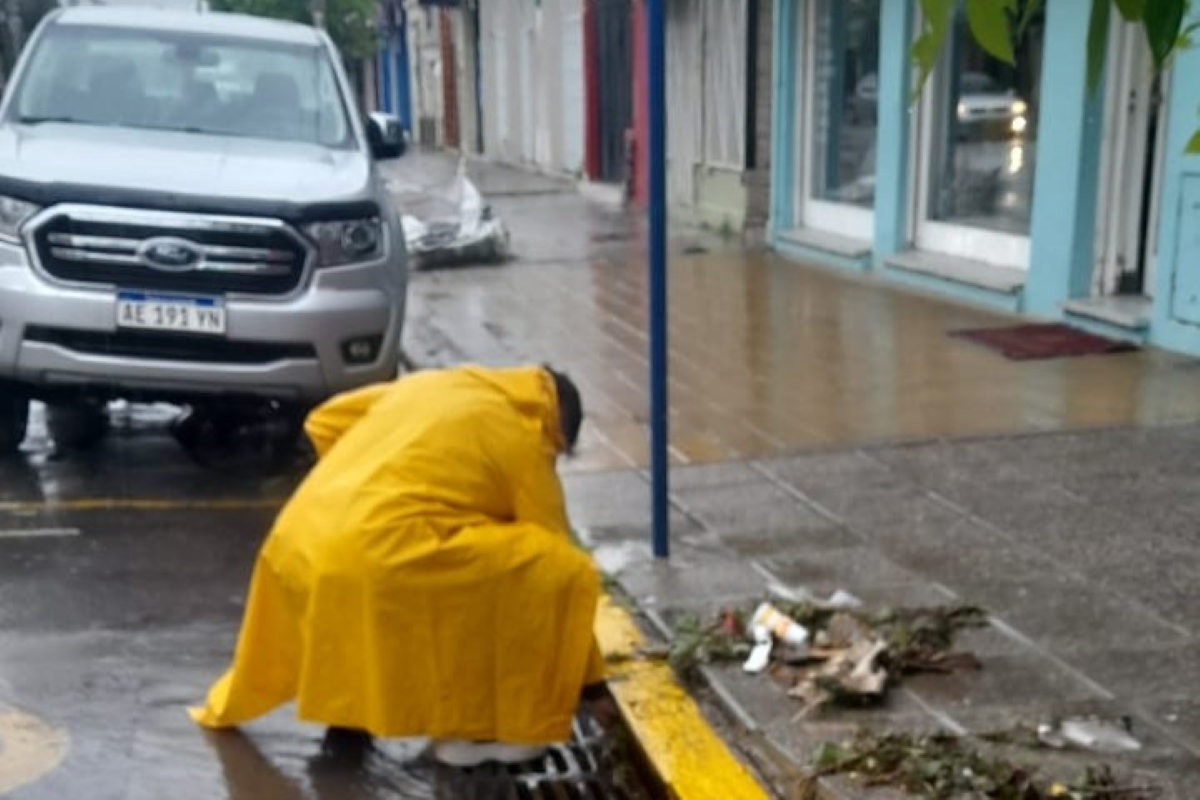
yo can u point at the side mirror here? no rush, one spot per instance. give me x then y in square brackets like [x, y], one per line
[385, 136]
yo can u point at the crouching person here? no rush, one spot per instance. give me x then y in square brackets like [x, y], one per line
[422, 580]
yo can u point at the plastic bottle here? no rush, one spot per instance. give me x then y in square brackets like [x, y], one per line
[780, 625]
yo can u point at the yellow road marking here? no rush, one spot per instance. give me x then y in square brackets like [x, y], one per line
[135, 504]
[29, 749]
[686, 753]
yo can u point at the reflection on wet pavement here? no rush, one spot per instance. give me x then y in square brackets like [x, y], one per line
[393, 770]
[767, 355]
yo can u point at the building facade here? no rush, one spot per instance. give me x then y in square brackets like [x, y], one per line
[719, 97]
[1013, 186]
[390, 77]
[531, 76]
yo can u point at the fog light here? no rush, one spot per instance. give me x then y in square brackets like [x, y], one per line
[362, 350]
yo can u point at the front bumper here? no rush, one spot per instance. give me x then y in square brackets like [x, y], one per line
[53, 338]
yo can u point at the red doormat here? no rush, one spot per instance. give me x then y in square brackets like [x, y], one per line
[1052, 340]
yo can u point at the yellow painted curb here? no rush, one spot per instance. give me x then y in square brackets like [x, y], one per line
[685, 752]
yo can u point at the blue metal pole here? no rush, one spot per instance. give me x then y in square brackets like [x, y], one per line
[656, 52]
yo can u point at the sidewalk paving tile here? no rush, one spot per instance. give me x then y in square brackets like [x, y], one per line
[1062, 613]
[837, 567]
[1169, 670]
[758, 507]
[691, 575]
[748, 543]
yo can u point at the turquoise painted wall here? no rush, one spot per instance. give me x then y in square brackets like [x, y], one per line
[783, 120]
[1175, 224]
[1065, 184]
[893, 150]
[1067, 177]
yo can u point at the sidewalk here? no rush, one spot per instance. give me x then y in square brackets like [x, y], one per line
[829, 434]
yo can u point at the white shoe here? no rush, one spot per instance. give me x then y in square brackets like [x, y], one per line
[461, 753]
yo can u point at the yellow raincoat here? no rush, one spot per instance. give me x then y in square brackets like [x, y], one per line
[422, 580]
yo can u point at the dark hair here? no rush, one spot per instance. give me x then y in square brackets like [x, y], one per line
[570, 407]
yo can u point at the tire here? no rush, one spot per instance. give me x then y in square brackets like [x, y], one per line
[77, 425]
[14, 420]
[241, 440]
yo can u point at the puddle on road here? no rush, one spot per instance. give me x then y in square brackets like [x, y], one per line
[276, 762]
[29, 748]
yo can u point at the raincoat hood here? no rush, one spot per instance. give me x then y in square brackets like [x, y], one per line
[531, 392]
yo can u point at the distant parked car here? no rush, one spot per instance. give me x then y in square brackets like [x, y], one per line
[981, 103]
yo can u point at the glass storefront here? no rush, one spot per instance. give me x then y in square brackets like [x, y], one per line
[984, 120]
[845, 82]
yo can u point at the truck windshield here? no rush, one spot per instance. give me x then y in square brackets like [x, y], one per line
[199, 83]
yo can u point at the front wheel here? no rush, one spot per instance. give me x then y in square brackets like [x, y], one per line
[14, 419]
[78, 424]
[241, 438]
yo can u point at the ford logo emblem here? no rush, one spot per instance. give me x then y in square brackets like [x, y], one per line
[170, 255]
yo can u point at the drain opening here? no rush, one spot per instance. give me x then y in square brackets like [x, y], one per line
[589, 767]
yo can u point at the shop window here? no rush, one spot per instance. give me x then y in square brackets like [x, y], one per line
[984, 120]
[845, 99]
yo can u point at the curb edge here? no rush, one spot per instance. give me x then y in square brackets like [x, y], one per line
[688, 756]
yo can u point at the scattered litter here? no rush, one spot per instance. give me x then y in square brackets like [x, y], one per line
[827, 656]
[1090, 733]
[947, 767]
[614, 557]
[848, 676]
[839, 599]
[760, 656]
[780, 625]
[449, 224]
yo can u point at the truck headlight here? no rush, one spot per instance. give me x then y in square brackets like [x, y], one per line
[13, 214]
[347, 241]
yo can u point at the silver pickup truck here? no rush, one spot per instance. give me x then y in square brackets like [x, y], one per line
[190, 211]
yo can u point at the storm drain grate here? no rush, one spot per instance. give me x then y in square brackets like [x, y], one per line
[586, 768]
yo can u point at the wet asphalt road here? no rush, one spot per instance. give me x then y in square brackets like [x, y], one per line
[119, 603]
[123, 573]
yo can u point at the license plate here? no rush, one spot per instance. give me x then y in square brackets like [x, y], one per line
[164, 312]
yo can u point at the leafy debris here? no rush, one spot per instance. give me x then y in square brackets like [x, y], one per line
[855, 654]
[946, 767]
[696, 643]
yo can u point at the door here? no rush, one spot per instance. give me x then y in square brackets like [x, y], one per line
[572, 85]
[977, 148]
[723, 98]
[1186, 302]
[496, 21]
[615, 67]
[685, 99]
[1130, 168]
[527, 45]
[401, 85]
[836, 183]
